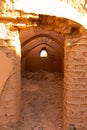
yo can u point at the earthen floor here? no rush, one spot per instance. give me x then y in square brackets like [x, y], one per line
[42, 101]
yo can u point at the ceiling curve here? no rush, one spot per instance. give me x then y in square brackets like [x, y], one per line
[28, 36]
[33, 38]
[29, 50]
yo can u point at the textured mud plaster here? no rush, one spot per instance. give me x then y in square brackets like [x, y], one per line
[5, 69]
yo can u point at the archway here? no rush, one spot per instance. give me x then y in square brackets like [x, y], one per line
[75, 61]
[49, 39]
[73, 32]
[44, 72]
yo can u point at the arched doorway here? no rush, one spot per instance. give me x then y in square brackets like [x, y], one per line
[75, 52]
[42, 80]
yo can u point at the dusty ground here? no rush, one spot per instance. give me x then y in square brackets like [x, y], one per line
[42, 101]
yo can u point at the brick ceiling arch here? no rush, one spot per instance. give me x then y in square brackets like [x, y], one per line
[29, 50]
[60, 42]
[29, 40]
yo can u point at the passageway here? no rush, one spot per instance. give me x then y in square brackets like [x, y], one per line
[42, 81]
[40, 43]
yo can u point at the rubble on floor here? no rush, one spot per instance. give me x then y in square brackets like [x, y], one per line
[42, 101]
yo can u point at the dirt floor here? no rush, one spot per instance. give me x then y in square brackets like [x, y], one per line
[42, 101]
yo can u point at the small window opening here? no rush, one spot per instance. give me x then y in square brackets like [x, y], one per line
[43, 52]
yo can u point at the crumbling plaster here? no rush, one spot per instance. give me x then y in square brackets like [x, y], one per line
[5, 69]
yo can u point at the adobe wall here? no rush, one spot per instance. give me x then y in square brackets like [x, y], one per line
[9, 79]
[75, 93]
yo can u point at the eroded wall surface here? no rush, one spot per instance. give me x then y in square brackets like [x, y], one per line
[9, 79]
[75, 82]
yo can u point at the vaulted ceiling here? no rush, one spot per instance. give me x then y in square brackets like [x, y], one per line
[33, 38]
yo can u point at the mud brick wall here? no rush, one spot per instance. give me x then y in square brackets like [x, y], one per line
[75, 100]
[9, 80]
